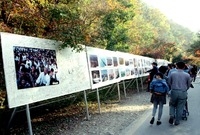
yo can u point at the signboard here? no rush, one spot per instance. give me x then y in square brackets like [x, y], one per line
[35, 69]
[103, 67]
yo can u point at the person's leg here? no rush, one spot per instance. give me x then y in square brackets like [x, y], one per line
[148, 86]
[186, 106]
[173, 103]
[160, 111]
[194, 78]
[180, 106]
[155, 105]
[172, 106]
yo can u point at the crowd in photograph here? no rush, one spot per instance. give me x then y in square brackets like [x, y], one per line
[35, 67]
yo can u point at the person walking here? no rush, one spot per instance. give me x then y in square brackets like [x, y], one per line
[179, 82]
[152, 72]
[159, 89]
[193, 72]
[172, 69]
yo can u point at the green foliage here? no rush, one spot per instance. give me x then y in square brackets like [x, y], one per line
[120, 25]
[177, 58]
[114, 28]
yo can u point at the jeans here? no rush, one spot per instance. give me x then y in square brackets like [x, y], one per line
[160, 110]
[177, 102]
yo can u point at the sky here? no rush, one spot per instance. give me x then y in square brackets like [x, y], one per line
[183, 12]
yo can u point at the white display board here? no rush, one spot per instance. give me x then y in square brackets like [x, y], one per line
[62, 71]
[162, 62]
[133, 66]
[144, 64]
[108, 67]
[103, 67]
[127, 65]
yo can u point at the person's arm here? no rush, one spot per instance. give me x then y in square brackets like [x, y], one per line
[166, 88]
[38, 80]
[169, 81]
[151, 86]
[149, 71]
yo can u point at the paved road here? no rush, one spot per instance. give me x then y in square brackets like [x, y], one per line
[191, 126]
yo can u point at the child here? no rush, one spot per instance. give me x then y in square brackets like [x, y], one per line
[159, 89]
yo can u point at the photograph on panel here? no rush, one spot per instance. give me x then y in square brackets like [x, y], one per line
[139, 63]
[116, 75]
[132, 71]
[126, 62]
[134, 62]
[143, 70]
[131, 62]
[136, 71]
[121, 61]
[94, 61]
[110, 74]
[140, 71]
[122, 72]
[96, 76]
[102, 62]
[35, 67]
[128, 72]
[115, 61]
[104, 75]
[109, 61]
[142, 62]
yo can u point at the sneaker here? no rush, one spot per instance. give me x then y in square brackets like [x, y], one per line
[159, 122]
[171, 120]
[152, 120]
[176, 123]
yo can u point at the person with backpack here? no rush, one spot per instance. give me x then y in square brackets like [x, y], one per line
[159, 89]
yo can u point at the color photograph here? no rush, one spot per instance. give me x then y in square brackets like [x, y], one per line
[96, 76]
[110, 74]
[109, 61]
[104, 75]
[121, 61]
[116, 75]
[94, 61]
[115, 61]
[102, 61]
[122, 72]
[35, 67]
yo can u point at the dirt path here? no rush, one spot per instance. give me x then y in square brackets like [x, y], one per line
[114, 118]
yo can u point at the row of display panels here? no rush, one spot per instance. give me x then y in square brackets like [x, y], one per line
[36, 69]
[107, 67]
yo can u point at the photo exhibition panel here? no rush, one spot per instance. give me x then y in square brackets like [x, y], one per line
[36, 69]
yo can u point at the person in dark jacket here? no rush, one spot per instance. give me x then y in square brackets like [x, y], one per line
[193, 72]
[152, 72]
